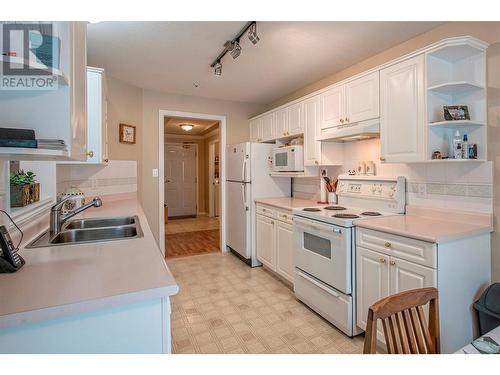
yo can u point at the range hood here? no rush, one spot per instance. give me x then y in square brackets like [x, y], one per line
[352, 132]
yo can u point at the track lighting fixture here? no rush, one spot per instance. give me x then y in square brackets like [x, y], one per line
[217, 68]
[233, 46]
[252, 33]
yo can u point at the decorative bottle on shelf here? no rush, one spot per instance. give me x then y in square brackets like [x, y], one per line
[465, 148]
[457, 146]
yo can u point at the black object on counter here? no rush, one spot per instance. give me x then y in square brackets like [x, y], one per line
[9, 133]
[488, 308]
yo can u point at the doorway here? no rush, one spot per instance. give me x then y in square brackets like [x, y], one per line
[191, 186]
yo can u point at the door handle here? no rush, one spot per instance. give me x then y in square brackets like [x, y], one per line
[243, 169]
[243, 196]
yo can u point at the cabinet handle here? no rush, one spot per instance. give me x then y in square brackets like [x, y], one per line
[382, 260]
[341, 120]
[106, 160]
[382, 158]
[272, 222]
[316, 162]
[387, 244]
[393, 263]
[90, 154]
[346, 119]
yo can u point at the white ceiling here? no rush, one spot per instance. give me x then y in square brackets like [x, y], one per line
[171, 56]
[201, 127]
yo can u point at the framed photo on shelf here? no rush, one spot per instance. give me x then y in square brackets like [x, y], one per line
[456, 112]
[127, 133]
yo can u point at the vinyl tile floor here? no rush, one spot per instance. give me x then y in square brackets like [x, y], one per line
[224, 306]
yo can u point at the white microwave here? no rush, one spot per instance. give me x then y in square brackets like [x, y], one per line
[288, 159]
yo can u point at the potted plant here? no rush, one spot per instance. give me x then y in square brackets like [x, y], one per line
[23, 189]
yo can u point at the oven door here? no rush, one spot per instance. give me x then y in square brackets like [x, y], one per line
[282, 160]
[324, 252]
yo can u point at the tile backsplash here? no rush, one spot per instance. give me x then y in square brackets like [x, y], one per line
[464, 186]
[117, 176]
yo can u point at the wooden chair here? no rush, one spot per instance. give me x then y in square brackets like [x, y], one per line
[404, 323]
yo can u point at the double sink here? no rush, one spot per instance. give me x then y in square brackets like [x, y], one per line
[91, 230]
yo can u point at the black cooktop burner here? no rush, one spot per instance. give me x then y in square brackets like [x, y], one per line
[335, 208]
[371, 213]
[346, 216]
[311, 209]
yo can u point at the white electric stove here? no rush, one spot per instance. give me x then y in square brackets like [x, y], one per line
[324, 244]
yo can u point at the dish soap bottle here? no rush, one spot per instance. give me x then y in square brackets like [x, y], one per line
[457, 146]
[465, 147]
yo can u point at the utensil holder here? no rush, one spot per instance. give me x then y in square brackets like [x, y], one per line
[332, 197]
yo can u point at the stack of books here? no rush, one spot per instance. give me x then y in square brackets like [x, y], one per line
[52, 144]
[25, 138]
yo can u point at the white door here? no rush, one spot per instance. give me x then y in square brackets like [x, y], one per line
[402, 111]
[180, 180]
[295, 119]
[281, 123]
[267, 126]
[406, 275]
[332, 107]
[312, 148]
[264, 241]
[372, 282]
[255, 128]
[362, 98]
[238, 162]
[94, 116]
[238, 217]
[284, 250]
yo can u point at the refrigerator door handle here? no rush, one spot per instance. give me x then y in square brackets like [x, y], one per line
[243, 169]
[243, 196]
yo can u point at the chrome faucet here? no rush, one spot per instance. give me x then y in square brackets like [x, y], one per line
[57, 219]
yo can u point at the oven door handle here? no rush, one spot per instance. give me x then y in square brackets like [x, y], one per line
[318, 284]
[318, 227]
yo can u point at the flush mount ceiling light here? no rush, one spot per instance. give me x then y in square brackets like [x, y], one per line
[186, 127]
[217, 68]
[233, 46]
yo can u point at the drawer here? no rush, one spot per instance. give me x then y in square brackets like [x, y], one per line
[410, 249]
[285, 216]
[265, 210]
[331, 304]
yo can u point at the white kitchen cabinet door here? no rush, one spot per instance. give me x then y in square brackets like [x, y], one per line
[402, 105]
[281, 123]
[372, 282]
[97, 142]
[406, 275]
[265, 244]
[332, 107]
[312, 148]
[267, 127]
[362, 98]
[295, 119]
[284, 250]
[255, 128]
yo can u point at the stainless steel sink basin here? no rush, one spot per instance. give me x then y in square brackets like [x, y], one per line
[91, 231]
[100, 222]
[94, 235]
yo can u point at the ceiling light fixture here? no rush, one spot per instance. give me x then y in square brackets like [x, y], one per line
[186, 127]
[252, 33]
[233, 46]
[218, 68]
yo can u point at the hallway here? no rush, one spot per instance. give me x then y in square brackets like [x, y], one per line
[192, 236]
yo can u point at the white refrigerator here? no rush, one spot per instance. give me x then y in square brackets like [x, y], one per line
[247, 179]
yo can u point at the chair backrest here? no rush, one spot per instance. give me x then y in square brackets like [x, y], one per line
[404, 323]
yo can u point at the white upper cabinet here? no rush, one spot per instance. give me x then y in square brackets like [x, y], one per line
[332, 107]
[362, 98]
[402, 104]
[255, 130]
[267, 125]
[312, 148]
[281, 122]
[295, 119]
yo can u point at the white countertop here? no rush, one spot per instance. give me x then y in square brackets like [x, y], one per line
[289, 203]
[71, 279]
[431, 225]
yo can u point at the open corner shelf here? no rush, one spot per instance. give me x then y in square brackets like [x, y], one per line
[20, 153]
[455, 87]
[457, 52]
[456, 123]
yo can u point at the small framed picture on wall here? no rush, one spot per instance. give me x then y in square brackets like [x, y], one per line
[127, 133]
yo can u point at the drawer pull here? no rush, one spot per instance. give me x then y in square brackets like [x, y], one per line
[382, 260]
[387, 244]
[393, 263]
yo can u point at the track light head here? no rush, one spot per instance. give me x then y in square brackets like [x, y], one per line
[236, 51]
[218, 68]
[252, 33]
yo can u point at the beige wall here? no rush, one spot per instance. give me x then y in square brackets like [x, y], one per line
[124, 106]
[236, 113]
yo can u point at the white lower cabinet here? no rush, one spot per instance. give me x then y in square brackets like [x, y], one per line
[274, 240]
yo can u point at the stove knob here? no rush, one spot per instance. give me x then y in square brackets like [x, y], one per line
[391, 193]
[372, 188]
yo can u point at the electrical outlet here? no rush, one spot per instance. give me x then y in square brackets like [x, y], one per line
[155, 172]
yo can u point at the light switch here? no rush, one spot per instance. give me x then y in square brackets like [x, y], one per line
[155, 172]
